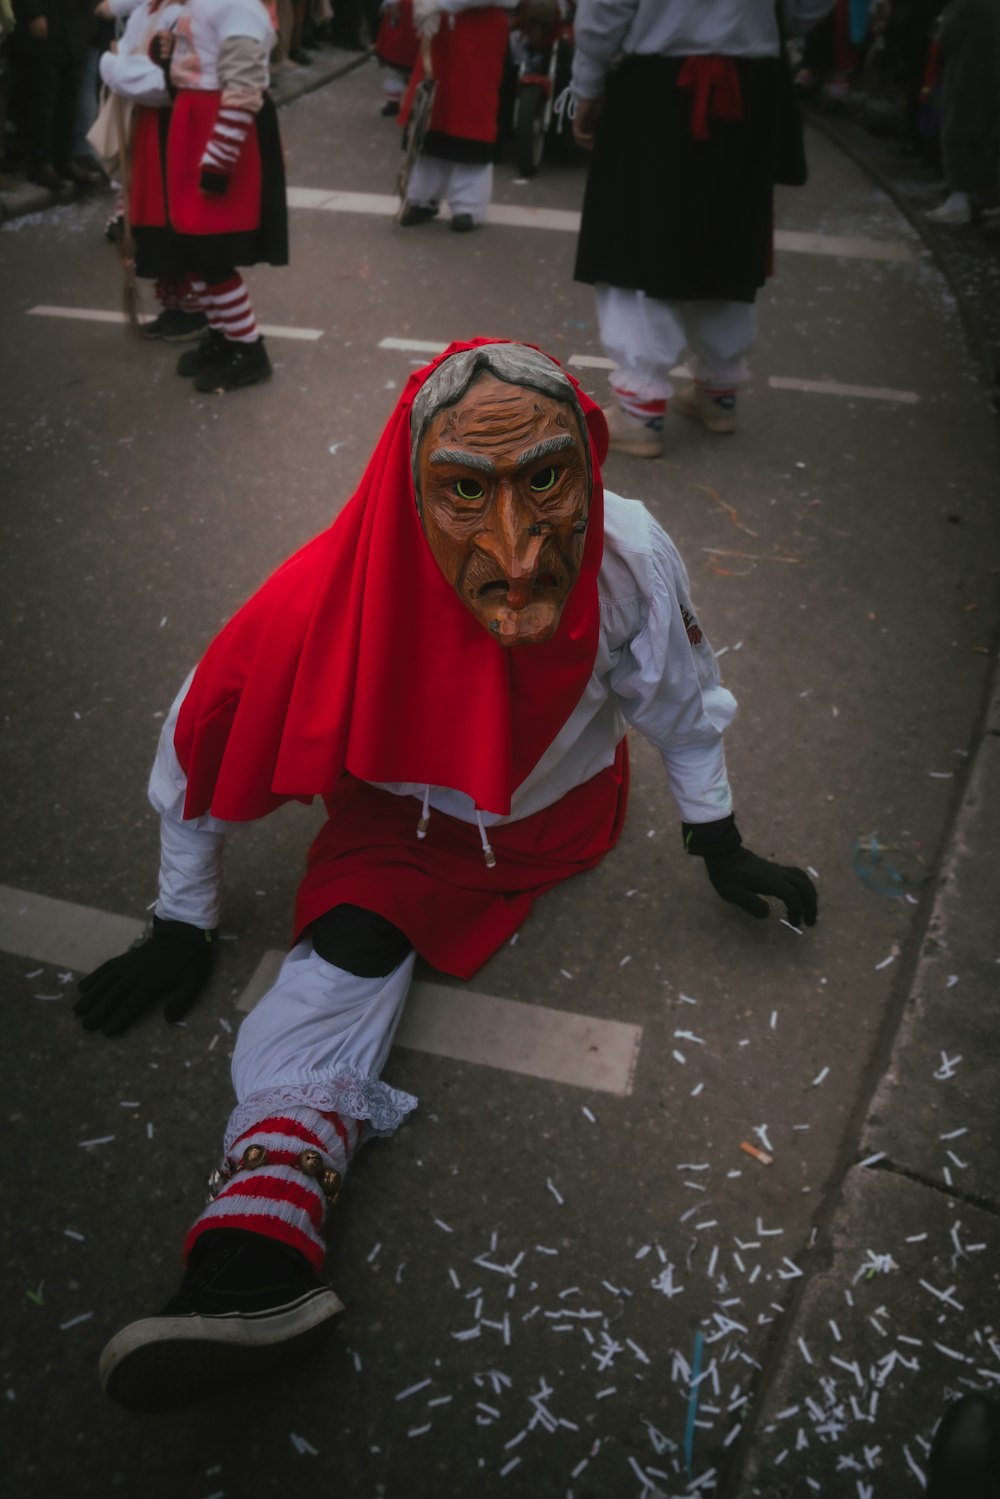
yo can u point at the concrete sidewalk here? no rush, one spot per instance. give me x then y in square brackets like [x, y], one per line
[898, 1310]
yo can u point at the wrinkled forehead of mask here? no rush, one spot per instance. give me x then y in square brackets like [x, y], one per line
[515, 364]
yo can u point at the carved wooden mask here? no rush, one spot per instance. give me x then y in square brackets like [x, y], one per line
[504, 491]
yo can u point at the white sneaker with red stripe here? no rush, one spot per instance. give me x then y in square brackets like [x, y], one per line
[715, 409]
[632, 436]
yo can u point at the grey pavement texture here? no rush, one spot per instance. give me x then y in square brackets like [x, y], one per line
[555, 1262]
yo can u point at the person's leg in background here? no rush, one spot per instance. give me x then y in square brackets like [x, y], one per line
[82, 159]
[720, 336]
[428, 184]
[470, 187]
[646, 339]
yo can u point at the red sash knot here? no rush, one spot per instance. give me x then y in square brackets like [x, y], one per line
[715, 91]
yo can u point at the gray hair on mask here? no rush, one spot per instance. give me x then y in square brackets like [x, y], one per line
[515, 364]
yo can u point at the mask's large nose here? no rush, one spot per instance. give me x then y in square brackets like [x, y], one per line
[514, 543]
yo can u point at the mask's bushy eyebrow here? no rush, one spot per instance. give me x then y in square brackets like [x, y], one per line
[543, 449]
[462, 459]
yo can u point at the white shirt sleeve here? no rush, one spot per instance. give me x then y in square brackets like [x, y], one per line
[599, 29]
[135, 77]
[666, 680]
[190, 851]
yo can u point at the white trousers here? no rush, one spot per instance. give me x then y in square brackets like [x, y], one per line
[394, 82]
[467, 186]
[320, 1037]
[646, 338]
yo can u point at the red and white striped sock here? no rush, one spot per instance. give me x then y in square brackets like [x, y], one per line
[200, 291]
[232, 311]
[276, 1199]
[176, 296]
[644, 413]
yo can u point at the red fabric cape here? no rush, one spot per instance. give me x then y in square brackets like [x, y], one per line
[357, 657]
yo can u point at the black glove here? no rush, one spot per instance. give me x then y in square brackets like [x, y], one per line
[213, 182]
[173, 964]
[742, 877]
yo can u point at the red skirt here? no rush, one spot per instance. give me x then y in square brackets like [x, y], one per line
[192, 211]
[438, 890]
[147, 199]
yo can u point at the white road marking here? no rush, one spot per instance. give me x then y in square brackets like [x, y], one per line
[591, 362]
[385, 205]
[842, 245]
[835, 388]
[413, 345]
[534, 1040]
[98, 315]
[61, 933]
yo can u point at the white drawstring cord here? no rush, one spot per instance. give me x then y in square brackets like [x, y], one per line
[425, 816]
[488, 853]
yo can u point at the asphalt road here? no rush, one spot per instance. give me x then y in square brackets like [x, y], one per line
[553, 1288]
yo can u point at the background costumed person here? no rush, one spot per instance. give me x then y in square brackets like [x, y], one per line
[468, 762]
[396, 46]
[225, 178]
[690, 113]
[129, 71]
[468, 46]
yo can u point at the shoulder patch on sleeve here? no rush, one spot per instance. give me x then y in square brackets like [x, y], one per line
[691, 625]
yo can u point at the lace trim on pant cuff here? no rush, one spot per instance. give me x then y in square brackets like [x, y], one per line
[350, 1094]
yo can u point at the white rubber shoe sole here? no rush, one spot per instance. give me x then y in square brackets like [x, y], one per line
[165, 1363]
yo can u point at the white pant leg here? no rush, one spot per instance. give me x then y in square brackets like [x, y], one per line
[470, 187]
[645, 338]
[320, 1037]
[394, 82]
[720, 335]
[428, 180]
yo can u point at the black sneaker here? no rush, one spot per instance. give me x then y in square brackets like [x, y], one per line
[211, 348]
[462, 223]
[238, 364]
[417, 213]
[246, 1302]
[175, 326]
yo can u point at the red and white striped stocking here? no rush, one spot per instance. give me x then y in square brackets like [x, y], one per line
[273, 1190]
[231, 311]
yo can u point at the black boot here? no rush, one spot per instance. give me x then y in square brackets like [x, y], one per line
[964, 1460]
[176, 326]
[210, 350]
[246, 1302]
[238, 364]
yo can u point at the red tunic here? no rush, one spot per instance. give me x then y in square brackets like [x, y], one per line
[397, 42]
[467, 56]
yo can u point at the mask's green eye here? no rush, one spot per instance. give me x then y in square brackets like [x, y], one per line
[469, 489]
[544, 479]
